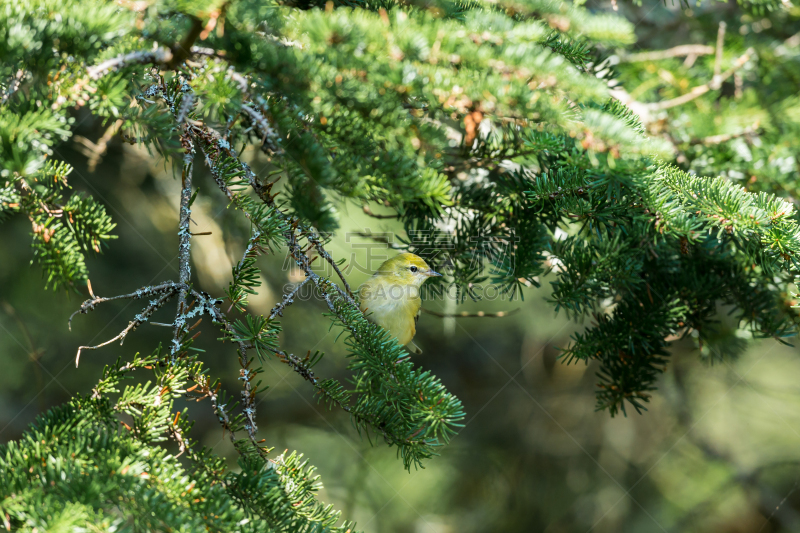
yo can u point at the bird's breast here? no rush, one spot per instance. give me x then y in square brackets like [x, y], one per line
[393, 310]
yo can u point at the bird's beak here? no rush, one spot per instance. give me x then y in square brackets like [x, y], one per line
[432, 273]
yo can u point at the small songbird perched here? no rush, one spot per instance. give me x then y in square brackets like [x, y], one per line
[390, 298]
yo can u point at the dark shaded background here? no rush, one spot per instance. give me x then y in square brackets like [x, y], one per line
[717, 450]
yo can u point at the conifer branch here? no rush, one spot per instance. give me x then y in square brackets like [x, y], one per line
[264, 194]
[540, 148]
[294, 229]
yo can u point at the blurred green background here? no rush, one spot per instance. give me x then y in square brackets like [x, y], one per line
[718, 450]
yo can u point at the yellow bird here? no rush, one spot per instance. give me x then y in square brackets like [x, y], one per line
[390, 298]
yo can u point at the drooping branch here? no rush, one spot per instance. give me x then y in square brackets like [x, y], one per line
[204, 134]
[245, 374]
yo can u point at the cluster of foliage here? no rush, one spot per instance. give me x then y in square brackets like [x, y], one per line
[514, 123]
[75, 467]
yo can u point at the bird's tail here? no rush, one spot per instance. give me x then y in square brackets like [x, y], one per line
[413, 348]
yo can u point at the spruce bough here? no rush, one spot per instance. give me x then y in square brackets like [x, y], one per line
[502, 120]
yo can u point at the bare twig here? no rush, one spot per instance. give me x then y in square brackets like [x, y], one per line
[222, 415]
[144, 292]
[133, 324]
[381, 238]
[368, 211]
[315, 240]
[479, 314]
[645, 111]
[288, 299]
[700, 90]
[176, 434]
[94, 151]
[185, 235]
[678, 51]
[719, 139]
[157, 56]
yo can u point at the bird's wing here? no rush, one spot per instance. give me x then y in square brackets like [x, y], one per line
[417, 302]
[413, 348]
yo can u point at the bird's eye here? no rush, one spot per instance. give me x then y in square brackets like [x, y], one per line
[413, 269]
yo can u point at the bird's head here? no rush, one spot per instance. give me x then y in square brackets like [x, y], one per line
[406, 269]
